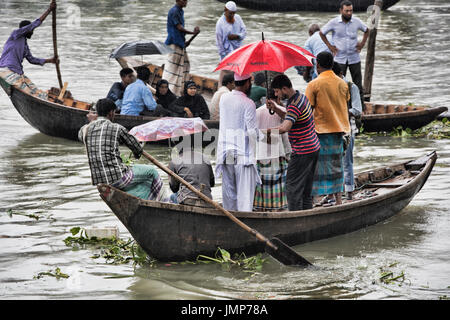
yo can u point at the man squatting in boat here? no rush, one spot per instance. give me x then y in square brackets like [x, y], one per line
[16, 49]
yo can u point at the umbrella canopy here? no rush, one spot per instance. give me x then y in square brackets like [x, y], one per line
[140, 48]
[167, 128]
[269, 55]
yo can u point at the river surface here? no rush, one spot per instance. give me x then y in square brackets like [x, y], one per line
[50, 177]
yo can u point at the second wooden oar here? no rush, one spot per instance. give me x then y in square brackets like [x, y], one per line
[275, 247]
[55, 48]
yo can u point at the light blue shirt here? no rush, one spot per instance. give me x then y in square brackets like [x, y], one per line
[224, 29]
[315, 45]
[345, 38]
[136, 98]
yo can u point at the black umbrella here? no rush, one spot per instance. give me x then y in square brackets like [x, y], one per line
[140, 48]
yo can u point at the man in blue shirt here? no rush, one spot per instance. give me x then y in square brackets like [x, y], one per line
[346, 47]
[177, 69]
[315, 45]
[138, 99]
[118, 88]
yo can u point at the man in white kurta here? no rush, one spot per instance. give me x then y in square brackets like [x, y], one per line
[238, 134]
[230, 32]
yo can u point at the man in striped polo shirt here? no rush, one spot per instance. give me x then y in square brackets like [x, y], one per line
[299, 122]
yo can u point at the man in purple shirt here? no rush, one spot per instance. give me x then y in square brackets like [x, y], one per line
[16, 49]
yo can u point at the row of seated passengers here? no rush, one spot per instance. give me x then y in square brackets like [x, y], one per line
[133, 97]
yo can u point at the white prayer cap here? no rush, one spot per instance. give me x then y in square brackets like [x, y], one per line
[230, 5]
[238, 77]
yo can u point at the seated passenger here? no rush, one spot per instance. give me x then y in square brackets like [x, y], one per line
[259, 90]
[164, 96]
[101, 137]
[118, 88]
[138, 99]
[190, 104]
[196, 169]
[227, 86]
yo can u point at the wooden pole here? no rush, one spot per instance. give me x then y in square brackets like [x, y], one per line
[55, 48]
[370, 58]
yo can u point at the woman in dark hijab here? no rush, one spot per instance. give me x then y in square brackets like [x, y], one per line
[163, 94]
[191, 104]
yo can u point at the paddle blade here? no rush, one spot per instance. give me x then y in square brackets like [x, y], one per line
[286, 255]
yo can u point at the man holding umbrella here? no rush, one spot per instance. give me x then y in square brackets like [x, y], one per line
[16, 49]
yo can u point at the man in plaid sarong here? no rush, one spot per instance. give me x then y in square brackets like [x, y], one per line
[177, 69]
[102, 138]
[272, 162]
[328, 95]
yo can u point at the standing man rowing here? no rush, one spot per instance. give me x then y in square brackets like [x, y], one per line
[16, 49]
[177, 69]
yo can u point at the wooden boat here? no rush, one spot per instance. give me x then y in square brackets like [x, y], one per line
[307, 5]
[170, 232]
[386, 117]
[64, 118]
[376, 117]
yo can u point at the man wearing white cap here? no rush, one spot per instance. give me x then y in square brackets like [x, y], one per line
[230, 31]
[236, 159]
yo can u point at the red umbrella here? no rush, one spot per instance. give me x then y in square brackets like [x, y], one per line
[268, 55]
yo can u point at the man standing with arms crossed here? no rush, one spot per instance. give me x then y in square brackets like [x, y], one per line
[346, 47]
[177, 69]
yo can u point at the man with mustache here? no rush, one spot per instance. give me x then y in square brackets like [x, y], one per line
[16, 49]
[346, 47]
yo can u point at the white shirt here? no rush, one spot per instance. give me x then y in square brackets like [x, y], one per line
[224, 29]
[214, 106]
[279, 146]
[238, 132]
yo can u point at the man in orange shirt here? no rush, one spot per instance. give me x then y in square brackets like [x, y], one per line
[328, 95]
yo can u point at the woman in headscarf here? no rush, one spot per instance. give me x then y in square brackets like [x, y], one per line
[191, 104]
[163, 94]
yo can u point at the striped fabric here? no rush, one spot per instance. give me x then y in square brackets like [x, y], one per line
[271, 194]
[302, 136]
[177, 69]
[329, 175]
[22, 82]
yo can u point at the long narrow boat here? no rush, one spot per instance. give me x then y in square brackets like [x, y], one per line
[377, 117]
[64, 118]
[307, 5]
[170, 232]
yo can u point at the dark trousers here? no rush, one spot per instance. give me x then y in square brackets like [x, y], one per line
[355, 71]
[299, 181]
[159, 111]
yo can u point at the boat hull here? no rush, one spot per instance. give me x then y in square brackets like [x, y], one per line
[64, 122]
[307, 5]
[170, 232]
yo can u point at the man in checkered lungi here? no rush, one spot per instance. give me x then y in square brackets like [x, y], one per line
[177, 69]
[16, 49]
[328, 95]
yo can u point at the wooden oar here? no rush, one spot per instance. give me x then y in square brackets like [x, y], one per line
[55, 48]
[187, 43]
[275, 247]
